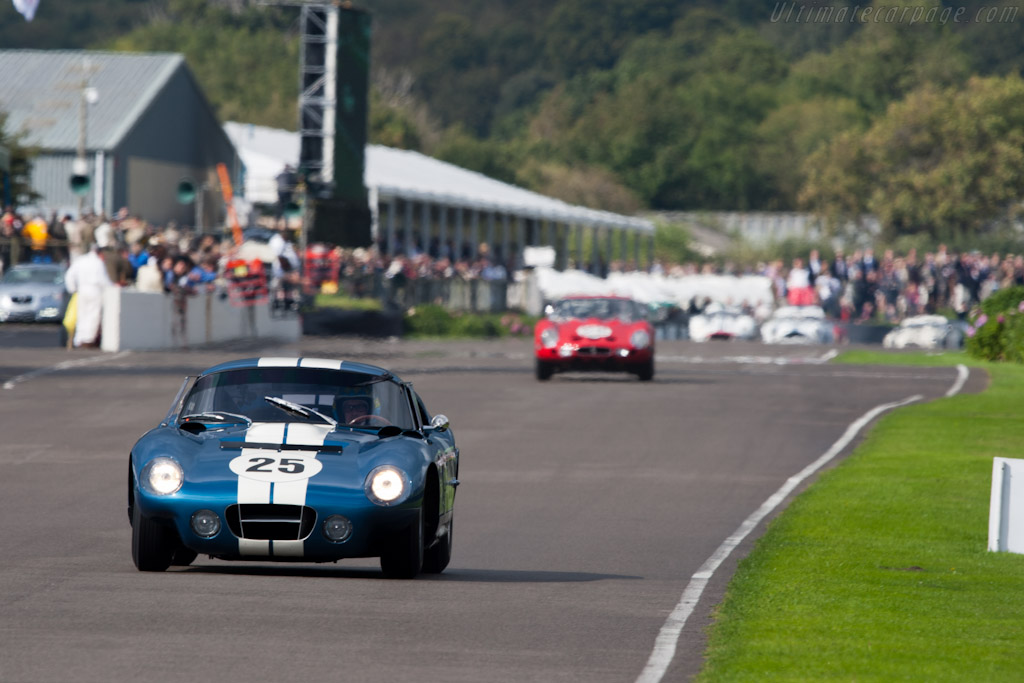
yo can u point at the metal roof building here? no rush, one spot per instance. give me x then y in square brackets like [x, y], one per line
[140, 121]
[418, 201]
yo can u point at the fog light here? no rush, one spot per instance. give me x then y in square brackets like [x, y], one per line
[205, 523]
[623, 352]
[337, 528]
[565, 351]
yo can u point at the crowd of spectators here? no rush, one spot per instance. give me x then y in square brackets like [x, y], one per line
[864, 287]
[856, 287]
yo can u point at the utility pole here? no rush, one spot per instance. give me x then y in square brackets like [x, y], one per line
[80, 180]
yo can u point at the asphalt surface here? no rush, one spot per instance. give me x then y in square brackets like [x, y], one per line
[587, 503]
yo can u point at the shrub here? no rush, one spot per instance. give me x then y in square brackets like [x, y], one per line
[433, 320]
[428, 320]
[996, 332]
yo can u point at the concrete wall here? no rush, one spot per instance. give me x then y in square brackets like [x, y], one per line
[146, 321]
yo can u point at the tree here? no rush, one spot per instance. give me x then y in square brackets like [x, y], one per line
[944, 162]
[20, 164]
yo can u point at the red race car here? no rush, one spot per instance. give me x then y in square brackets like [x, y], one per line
[606, 333]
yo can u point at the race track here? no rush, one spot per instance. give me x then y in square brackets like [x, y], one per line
[587, 505]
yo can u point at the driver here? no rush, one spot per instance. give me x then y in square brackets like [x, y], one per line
[348, 408]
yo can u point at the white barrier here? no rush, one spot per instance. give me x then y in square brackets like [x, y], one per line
[147, 321]
[1006, 509]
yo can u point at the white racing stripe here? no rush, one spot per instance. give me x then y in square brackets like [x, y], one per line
[668, 637]
[284, 492]
[294, 492]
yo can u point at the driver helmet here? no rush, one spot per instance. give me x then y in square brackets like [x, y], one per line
[353, 403]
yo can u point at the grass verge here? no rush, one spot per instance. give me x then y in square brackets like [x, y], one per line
[879, 571]
[347, 302]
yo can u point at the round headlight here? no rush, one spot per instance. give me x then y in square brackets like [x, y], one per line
[337, 528]
[549, 337]
[205, 523]
[640, 339]
[386, 485]
[163, 476]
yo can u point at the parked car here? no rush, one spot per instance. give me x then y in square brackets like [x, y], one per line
[602, 333]
[798, 325]
[718, 321]
[925, 332]
[295, 460]
[33, 292]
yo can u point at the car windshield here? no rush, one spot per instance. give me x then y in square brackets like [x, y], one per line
[46, 276]
[605, 309]
[351, 398]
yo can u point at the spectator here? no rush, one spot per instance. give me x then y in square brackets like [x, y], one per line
[87, 277]
[799, 291]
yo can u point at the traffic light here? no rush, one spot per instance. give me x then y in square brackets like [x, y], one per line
[292, 209]
[80, 184]
[186, 191]
[80, 181]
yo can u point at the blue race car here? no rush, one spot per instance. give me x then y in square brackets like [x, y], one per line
[295, 460]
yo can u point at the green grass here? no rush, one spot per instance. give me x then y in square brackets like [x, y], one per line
[347, 302]
[916, 357]
[879, 571]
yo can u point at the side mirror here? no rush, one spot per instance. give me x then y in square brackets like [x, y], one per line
[549, 309]
[439, 423]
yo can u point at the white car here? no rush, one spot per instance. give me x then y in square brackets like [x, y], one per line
[722, 322]
[925, 332]
[798, 325]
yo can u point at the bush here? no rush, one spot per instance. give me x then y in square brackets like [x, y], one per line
[432, 320]
[996, 332]
[429, 320]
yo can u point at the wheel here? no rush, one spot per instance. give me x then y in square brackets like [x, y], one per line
[403, 557]
[646, 371]
[437, 557]
[544, 370]
[152, 544]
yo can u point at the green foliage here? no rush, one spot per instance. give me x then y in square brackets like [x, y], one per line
[223, 49]
[490, 157]
[20, 164]
[432, 320]
[997, 331]
[941, 162]
[428, 320]
[666, 104]
[346, 302]
[672, 244]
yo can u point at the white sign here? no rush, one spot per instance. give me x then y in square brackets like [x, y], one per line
[1006, 511]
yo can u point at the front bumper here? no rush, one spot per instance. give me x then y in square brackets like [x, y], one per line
[594, 356]
[249, 538]
[15, 313]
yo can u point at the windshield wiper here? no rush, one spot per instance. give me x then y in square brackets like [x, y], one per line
[220, 416]
[300, 410]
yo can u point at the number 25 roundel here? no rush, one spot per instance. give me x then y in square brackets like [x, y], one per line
[275, 467]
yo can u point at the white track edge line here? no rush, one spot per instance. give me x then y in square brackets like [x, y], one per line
[63, 365]
[961, 377]
[665, 644]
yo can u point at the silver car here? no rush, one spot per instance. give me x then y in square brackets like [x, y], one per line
[33, 292]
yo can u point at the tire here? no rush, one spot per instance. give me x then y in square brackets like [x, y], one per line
[646, 371]
[152, 544]
[403, 557]
[544, 370]
[437, 557]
